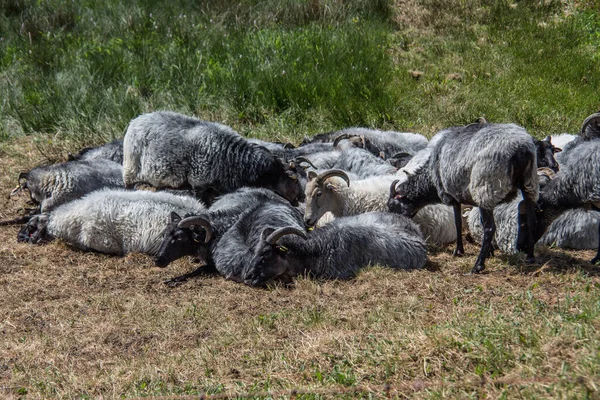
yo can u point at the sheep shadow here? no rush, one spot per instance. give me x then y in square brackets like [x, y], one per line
[554, 260]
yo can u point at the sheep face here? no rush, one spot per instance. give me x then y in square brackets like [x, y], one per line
[545, 154]
[274, 261]
[181, 241]
[320, 198]
[399, 203]
[288, 184]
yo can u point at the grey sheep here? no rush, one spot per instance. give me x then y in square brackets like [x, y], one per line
[338, 250]
[170, 150]
[53, 185]
[576, 185]
[112, 151]
[198, 234]
[111, 221]
[479, 164]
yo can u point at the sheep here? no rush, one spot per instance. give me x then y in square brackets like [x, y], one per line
[111, 221]
[166, 149]
[545, 154]
[576, 185]
[53, 185]
[338, 250]
[478, 164]
[182, 237]
[112, 151]
[333, 191]
[387, 143]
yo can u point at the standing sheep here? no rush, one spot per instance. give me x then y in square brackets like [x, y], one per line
[478, 164]
[170, 150]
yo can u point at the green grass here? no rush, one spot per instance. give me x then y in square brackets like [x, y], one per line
[79, 71]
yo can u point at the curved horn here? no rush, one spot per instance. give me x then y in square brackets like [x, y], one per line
[334, 172]
[341, 137]
[588, 120]
[301, 159]
[288, 230]
[200, 221]
[546, 172]
[393, 188]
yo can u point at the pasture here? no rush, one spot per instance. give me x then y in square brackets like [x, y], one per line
[86, 325]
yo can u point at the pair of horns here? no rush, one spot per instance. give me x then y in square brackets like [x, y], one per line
[592, 118]
[279, 233]
[343, 136]
[301, 159]
[198, 221]
[328, 174]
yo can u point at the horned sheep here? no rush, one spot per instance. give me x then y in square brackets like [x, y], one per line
[338, 250]
[478, 164]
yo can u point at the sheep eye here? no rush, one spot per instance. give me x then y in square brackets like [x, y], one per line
[319, 194]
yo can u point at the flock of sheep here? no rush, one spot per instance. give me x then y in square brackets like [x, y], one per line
[258, 212]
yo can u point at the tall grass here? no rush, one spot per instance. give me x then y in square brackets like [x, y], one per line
[81, 70]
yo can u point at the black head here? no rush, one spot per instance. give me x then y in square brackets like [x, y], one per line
[272, 260]
[399, 203]
[289, 182]
[184, 237]
[545, 154]
[399, 160]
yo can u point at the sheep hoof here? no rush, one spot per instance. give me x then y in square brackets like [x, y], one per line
[477, 269]
[530, 260]
[458, 253]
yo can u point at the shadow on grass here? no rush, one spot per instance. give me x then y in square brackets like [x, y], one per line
[553, 260]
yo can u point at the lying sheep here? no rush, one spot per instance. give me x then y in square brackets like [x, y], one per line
[112, 151]
[333, 191]
[197, 234]
[479, 164]
[111, 221]
[387, 143]
[53, 185]
[338, 250]
[170, 150]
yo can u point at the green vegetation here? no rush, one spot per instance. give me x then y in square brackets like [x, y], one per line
[81, 70]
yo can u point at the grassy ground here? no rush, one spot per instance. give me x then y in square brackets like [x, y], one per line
[78, 324]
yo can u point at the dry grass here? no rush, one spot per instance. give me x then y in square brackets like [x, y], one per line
[80, 324]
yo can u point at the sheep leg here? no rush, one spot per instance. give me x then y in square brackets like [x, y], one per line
[459, 251]
[489, 229]
[596, 259]
[526, 236]
[202, 270]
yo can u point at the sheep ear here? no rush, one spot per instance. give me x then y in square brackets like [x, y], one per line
[547, 139]
[312, 175]
[175, 217]
[557, 150]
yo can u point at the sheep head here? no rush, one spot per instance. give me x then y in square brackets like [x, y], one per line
[288, 182]
[399, 202]
[322, 194]
[274, 260]
[184, 237]
[545, 151]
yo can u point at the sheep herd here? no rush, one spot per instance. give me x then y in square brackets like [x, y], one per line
[258, 212]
